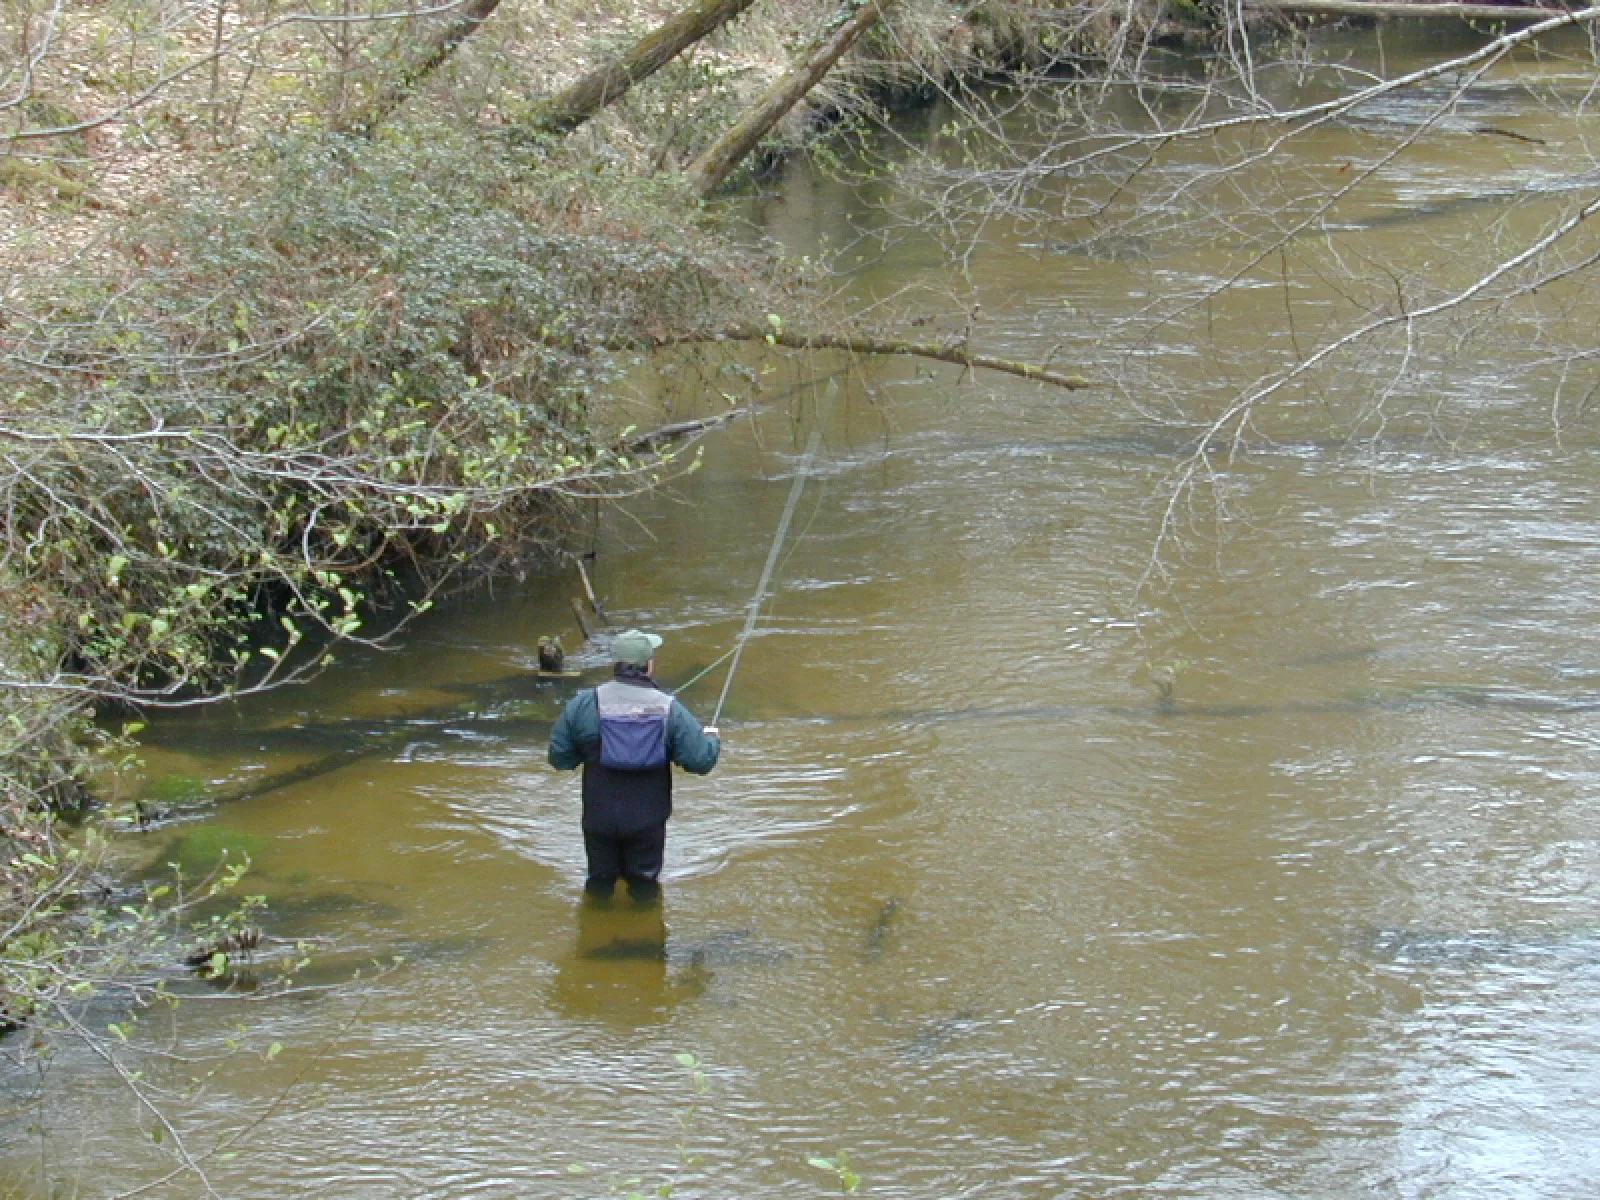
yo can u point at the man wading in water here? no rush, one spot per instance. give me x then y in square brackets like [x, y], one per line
[627, 734]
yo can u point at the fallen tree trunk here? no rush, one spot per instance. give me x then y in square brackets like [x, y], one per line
[955, 353]
[708, 172]
[436, 51]
[1397, 8]
[575, 104]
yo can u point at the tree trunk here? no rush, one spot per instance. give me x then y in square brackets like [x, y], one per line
[708, 171]
[436, 50]
[571, 107]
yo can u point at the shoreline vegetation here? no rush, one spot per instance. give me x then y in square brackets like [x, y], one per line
[307, 317]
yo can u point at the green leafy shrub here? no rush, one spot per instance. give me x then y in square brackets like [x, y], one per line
[345, 365]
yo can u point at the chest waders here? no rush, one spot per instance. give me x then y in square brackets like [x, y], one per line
[627, 788]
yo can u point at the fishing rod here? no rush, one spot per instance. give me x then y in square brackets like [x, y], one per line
[766, 571]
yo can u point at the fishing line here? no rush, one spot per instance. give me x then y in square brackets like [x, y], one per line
[766, 571]
[699, 675]
[784, 562]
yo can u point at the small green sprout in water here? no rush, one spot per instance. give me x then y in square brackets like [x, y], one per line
[1165, 676]
[839, 1165]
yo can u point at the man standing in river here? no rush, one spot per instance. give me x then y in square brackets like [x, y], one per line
[626, 734]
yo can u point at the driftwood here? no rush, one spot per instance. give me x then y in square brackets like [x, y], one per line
[708, 172]
[436, 51]
[1396, 8]
[956, 352]
[575, 104]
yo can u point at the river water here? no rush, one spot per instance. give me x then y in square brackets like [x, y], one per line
[1028, 872]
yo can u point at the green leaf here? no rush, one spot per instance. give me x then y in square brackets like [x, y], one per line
[274, 1050]
[577, 1169]
[687, 1060]
[823, 1164]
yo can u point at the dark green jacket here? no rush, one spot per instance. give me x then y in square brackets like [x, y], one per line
[617, 803]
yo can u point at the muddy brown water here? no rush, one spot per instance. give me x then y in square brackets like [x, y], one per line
[968, 899]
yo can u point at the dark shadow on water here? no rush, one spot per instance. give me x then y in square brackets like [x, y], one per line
[618, 971]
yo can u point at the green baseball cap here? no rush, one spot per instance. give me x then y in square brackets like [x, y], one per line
[634, 646]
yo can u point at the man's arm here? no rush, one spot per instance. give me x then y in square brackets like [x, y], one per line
[693, 749]
[567, 738]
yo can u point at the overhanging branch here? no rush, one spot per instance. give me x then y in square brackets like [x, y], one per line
[956, 353]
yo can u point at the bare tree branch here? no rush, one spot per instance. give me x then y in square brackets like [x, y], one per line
[954, 352]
